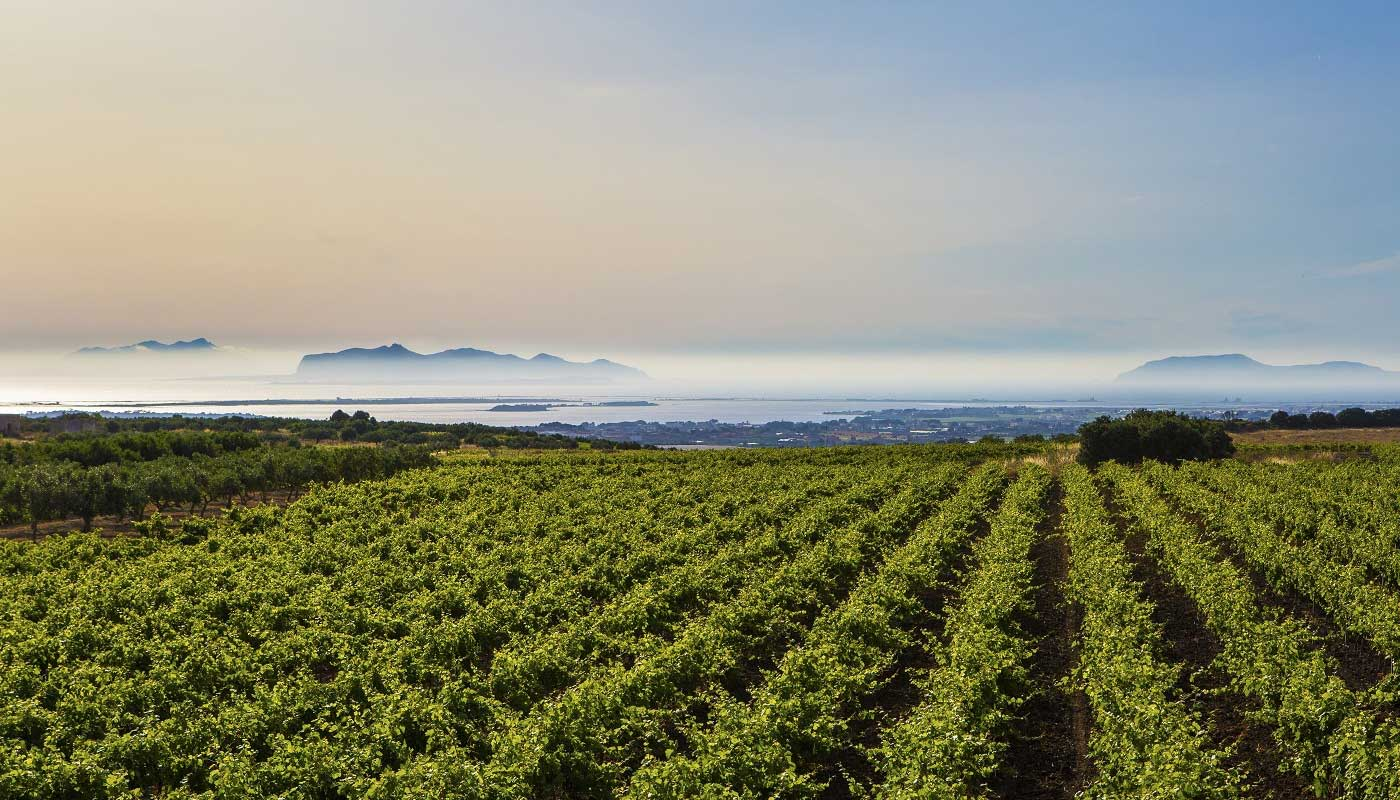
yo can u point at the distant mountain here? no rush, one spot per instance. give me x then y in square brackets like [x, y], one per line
[1240, 373]
[397, 364]
[152, 346]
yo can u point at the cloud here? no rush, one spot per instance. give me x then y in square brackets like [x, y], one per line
[1374, 267]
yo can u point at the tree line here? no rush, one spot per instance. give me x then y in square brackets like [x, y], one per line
[358, 426]
[37, 490]
[126, 447]
[1346, 418]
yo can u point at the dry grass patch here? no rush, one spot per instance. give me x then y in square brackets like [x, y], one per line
[1326, 436]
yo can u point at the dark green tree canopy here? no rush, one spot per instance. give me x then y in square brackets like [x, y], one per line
[1164, 436]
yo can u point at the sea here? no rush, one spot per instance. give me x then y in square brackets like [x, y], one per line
[445, 404]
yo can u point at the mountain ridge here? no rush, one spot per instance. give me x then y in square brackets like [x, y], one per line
[153, 346]
[1235, 373]
[1242, 366]
[397, 362]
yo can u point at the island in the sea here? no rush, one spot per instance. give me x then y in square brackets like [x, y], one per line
[1235, 373]
[548, 406]
[152, 346]
[396, 363]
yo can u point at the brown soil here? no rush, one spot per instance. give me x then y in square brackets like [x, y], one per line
[1048, 755]
[1359, 664]
[1188, 641]
[898, 695]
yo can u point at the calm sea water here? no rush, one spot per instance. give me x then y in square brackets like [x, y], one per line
[179, 396]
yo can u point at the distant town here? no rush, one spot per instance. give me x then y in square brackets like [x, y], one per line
[890, 426]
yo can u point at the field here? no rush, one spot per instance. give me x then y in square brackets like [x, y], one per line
[899, 622]
[1323, 436]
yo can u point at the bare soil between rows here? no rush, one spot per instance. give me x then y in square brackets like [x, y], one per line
[1048, 757]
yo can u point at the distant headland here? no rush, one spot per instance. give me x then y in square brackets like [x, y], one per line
[396, 363]
[152, 346]
[1235, 372]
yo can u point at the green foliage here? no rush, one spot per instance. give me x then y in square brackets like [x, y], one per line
[51, 483]
[1276, 533]
[1146, 742]
[1156, 435]
[653, 624]
[603, 725]
[952, 742]
[1330, 736]
[348, 644]
[765, 747]
[1346, 418]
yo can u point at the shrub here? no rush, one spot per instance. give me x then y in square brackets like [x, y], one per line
[1158, 435]
[1321, 419]
[1354, 418]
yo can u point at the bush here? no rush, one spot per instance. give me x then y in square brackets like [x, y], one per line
[1164, 436]
[1354, 418]
[1321, 419]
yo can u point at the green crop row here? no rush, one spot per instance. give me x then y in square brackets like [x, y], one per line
[953, 740]
[1250, 518]
[1145, 741]
[774, 743]
[340, 639]
[1351, 510]
[585, 741]
[636, 623]
[1335, 739]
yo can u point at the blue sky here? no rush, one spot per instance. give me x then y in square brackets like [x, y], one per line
[707, 177]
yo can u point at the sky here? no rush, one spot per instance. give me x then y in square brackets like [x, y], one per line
[1000, 183]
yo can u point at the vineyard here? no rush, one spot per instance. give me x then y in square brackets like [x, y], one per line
[941, 621]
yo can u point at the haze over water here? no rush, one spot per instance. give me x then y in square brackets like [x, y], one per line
[757, 186]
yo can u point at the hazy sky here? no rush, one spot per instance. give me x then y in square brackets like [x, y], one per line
[705, 178]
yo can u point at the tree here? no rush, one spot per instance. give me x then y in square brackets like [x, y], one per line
[11, 497]
[319, 433]
[339, 416]
[1105, 439]
[1387, 417]
[93, 492]
[1164, 436]
[1321, 419]
[131, 487]
[226, 482]
[168, 484]
[40, 492]
[1354, 418]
